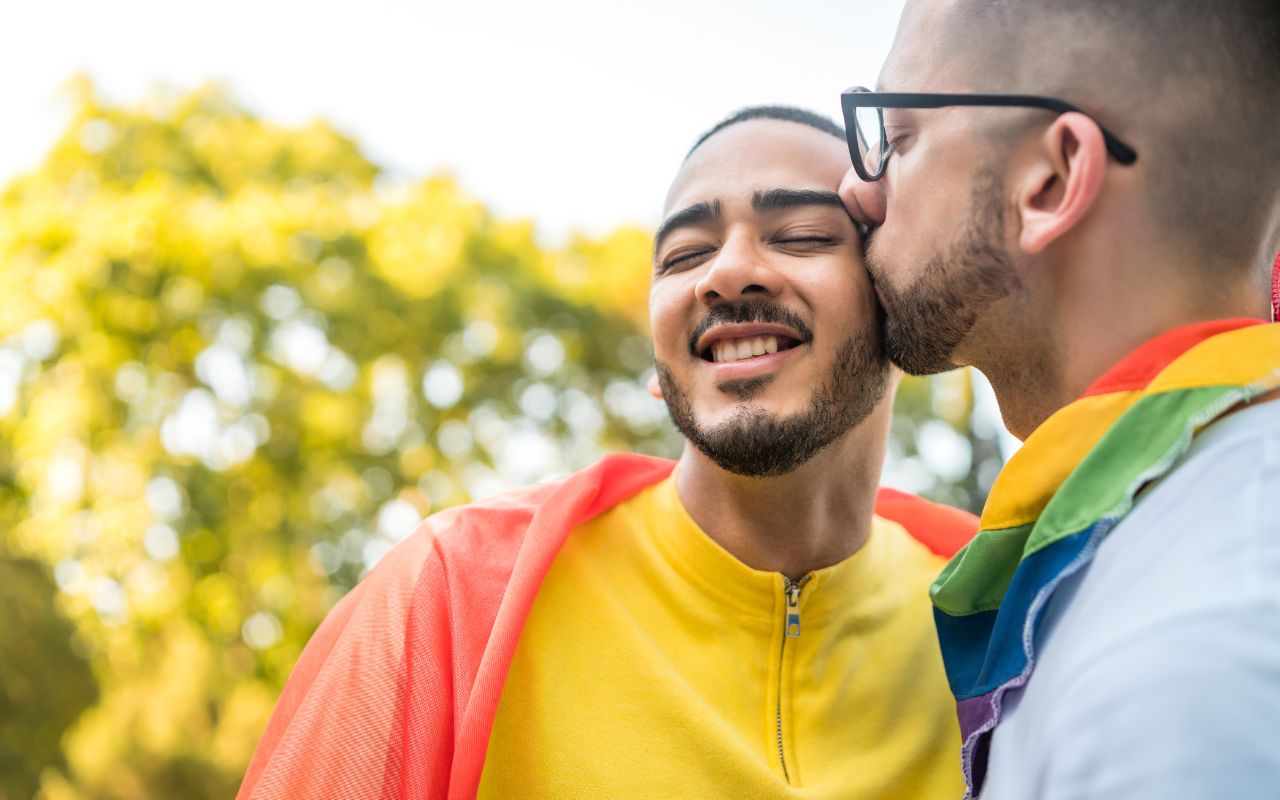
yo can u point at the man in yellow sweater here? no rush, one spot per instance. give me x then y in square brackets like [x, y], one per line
[747, 627]
[751, 622]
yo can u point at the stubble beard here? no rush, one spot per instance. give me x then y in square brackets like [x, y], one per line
[926, 321]
[758, 444]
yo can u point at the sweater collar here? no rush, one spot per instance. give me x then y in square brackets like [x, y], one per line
[756, 593]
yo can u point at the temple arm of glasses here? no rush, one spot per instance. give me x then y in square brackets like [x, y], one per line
[860, 99]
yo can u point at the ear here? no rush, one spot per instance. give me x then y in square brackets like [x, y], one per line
[1064, 182]
[653, 386]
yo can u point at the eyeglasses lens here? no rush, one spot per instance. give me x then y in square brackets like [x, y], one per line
[869, 122]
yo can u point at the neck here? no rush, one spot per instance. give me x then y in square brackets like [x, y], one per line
[810, 518]
[1100, 307]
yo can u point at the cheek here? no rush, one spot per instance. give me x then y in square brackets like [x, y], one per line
[930, 194]
[667, 319]
[839, 287]
[842, 299]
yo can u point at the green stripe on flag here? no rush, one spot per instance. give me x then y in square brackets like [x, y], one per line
[977, 578]
[1141, 445]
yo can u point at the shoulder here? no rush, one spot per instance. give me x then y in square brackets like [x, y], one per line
[1248, 439]
[1203, 541]
[1205, 537]
[1225, 461]
[1172, 634]
[1164, 694]
[451, 533]
[943, 530]
[485, 537]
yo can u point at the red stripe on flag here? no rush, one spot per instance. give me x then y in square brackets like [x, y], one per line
[1136, 370]
[1275, 290]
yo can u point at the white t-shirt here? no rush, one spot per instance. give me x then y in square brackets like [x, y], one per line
[1158, 675]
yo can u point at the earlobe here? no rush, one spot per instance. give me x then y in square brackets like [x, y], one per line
[655, 388]
[1064, 184]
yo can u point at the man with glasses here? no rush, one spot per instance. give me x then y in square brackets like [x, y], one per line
[1082, 199]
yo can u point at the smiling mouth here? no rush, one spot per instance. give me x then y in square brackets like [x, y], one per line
[746, 347]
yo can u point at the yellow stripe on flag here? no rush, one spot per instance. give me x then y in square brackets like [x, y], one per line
[1035, 472]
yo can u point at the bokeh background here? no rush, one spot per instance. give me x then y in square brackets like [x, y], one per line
[277, 280]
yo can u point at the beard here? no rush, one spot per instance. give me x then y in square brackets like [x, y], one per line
[926, 321]
[757, 444]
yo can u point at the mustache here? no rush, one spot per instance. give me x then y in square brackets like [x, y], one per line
[756, 309]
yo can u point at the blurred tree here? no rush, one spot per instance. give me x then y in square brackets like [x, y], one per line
[44, 684]
[236, 367]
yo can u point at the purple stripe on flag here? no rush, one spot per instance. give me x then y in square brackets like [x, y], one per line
[976, 713]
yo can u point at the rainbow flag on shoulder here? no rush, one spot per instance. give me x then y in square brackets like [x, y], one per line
[1073, 481]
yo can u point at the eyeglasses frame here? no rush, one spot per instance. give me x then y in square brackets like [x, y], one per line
[861, 97]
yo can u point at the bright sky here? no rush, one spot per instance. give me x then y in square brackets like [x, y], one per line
[571, 112]
[575, 113]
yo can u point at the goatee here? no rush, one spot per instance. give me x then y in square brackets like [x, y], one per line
[758, 444]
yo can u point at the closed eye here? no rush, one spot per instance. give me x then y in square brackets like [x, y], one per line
[686, 258]
[807, 241]
[894, 138]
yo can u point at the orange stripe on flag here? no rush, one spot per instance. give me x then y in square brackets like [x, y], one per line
[1135, 371]
[1275, 290]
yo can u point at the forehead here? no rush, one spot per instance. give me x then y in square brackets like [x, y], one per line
[924, 56]
[758, 154]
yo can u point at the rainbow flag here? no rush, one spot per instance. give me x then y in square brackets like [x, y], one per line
[1060, 495]
[1275, 290]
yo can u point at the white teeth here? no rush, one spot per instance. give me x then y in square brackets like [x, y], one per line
[739, 349]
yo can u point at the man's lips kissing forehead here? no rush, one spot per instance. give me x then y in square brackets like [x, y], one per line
[745, 330]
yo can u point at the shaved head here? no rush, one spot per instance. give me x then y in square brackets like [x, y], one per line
[800, 116]
[1193, 85]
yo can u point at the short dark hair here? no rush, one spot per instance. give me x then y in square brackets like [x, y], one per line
[1193, 85]
[783, 113]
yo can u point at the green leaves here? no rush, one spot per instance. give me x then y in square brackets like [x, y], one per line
[233, 373]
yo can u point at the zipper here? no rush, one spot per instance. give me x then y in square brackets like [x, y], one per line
[791, 630]
[793, 606]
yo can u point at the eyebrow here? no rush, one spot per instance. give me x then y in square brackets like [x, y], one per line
[696, 214]
[784, 199]
[762, 202]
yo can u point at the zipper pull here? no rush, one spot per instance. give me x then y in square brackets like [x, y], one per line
[793, 608]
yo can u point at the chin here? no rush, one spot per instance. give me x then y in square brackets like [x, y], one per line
[727, 407]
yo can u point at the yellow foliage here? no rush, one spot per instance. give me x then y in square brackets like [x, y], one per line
[233, 353]
[232, 369]
[614, 271]
[420, 240]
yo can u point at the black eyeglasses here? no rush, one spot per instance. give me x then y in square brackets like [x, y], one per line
[869, 146]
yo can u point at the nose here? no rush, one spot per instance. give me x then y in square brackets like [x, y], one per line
[864, 201]
[739, 270]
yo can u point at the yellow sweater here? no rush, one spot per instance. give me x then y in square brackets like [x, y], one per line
[656, 665]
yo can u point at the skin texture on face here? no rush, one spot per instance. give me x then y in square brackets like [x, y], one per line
[1009, 240]
[937, 251]
[931, 308]
[947, 221]
[757, 247]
